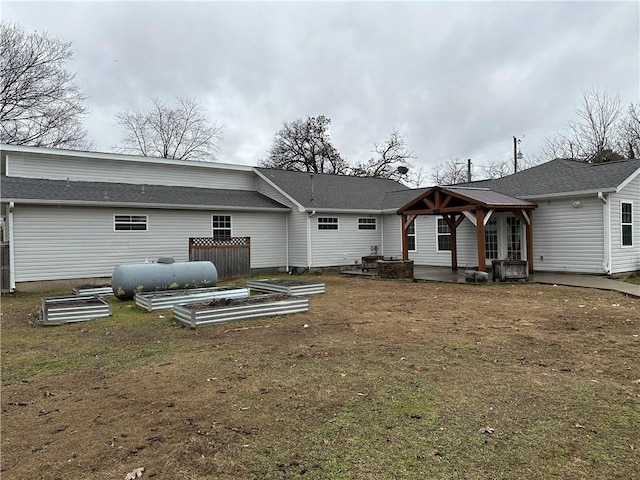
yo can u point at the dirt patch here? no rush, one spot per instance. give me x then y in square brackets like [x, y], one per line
[380, 379]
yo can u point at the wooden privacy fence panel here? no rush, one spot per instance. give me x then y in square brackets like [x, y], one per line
[231, 256]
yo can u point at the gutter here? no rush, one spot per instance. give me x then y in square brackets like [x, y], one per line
[606, 220]
[12, 262]
[164, 206]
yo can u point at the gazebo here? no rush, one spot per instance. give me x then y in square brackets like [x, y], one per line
[455, 204]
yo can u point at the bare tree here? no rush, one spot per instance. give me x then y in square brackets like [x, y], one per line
[628, 142]
[591, 136]
[390, 160]
[497, 169]
[182, 132]
[451, 172]
[40, 103]
[417, 177]
[305, 146]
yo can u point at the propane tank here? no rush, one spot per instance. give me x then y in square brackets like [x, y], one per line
[166, 274]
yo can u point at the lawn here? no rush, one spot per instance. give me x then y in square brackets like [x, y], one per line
[379, 380]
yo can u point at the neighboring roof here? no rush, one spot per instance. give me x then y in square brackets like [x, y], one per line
[43, 191]
[333, 192]
[55, 153]
[561, 176]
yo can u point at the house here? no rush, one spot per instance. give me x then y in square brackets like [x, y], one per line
[70, 215]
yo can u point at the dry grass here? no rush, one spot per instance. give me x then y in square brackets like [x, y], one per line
[390, 380]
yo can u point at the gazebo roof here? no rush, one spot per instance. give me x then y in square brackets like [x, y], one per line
[438, 200]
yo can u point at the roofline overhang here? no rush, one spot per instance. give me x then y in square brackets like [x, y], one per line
[628, 180]
[342, 210]
[59, 152]
[301, 208]
[80, 203]
[577, 193]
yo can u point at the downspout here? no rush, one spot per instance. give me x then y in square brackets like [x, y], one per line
[286, 242]
[309, 242]
[606, 219]
[382, 234]
[12, 263]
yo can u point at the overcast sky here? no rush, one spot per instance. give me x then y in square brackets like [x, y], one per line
[458, 79]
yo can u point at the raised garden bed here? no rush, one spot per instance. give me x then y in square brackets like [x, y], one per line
[91, 290]
[220, 311]
[286, 286]
[58, 310]
[166, 299]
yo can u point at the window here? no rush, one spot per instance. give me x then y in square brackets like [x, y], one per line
[366, 224]
[626, 210]
[491, 239]
[221, 226]
[514, 244]
[327, 223]
[411, 237]
[444, 235]
[130, 222]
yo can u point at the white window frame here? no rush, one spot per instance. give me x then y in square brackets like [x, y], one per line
[329, 223]
[623, 224]
[413, 235]
[230, 228]
[438, 234]
[130, 220]
[365, 223]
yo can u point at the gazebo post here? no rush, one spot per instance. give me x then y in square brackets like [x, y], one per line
[405, 239]
[482, 254]
[529, 235]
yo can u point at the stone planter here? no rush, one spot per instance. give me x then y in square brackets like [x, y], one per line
[286, 286]
[506, 270]
[402, 269]
[200, 315]
[58, 310]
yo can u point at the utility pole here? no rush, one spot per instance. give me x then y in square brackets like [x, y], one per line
[469, 170]
[516, 154]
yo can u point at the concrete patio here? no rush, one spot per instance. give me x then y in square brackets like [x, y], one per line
[445, 274]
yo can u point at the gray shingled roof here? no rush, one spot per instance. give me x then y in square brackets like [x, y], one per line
[35, 190]
[489, 197]
[563, 176]
[340, 192]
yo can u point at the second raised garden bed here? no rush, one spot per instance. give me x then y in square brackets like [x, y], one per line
[166, 299]
[286, 286]
[220, 311]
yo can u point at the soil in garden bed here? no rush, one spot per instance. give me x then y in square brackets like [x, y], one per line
[286, 283]
[237, 302]
[82, 302]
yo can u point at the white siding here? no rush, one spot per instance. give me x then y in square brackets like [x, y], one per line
[64, 243]
[567, 238]
[298, 248]
[427, 244]
[297, 225]
[625, 259]
[345, 245]
[191, 174]
[392, 235]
